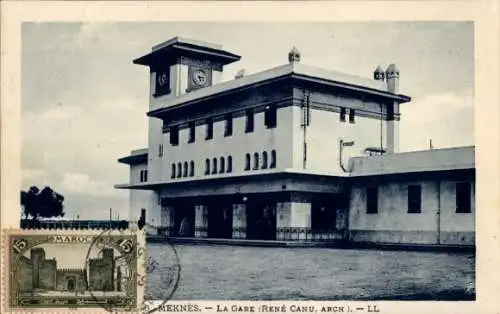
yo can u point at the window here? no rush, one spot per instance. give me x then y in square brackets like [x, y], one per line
[264, 160]
[160, 150]
[247, 162]
[229, 164]
[185, 173]
[172, 174]
[351, 115]
[256, 161]
[228, 130]
[270, 117]
[273, 159]
[179, 170]
[414, 199]
[174, 135]
[207, 166]
[143, 176]
[210, 129]
[222, 165]
[191, 169]
[249, 121]
[192, 132]
[342, 114]
[463, 198]
[372, 200]
[214, 166]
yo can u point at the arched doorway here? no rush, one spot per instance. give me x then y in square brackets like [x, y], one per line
[71, 284]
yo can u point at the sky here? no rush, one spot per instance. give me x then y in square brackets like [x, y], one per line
[84, 103]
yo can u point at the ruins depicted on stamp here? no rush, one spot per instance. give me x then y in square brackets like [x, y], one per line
[77, 269]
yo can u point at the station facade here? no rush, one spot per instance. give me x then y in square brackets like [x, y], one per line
[291, 153]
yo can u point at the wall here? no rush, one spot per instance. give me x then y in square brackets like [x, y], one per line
[77, 274]
[325, 130]
[394, 224]
[47, 273]
[426, 160]
[236, 145]
[24, 274]
[139, 199]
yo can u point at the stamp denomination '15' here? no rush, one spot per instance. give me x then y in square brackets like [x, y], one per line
[77, 269]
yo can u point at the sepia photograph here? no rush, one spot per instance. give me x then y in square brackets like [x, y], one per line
[277, 161]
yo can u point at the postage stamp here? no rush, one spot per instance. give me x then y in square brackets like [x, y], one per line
[77, 270]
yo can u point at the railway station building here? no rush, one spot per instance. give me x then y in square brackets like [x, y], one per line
[292, 153]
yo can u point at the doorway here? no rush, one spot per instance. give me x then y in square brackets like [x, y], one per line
[184, 220]
[261, 220]
[220, 218]
[71, 284]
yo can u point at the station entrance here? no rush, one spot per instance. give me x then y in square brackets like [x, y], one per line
[184, 220]
[261, 219]
[220, 218]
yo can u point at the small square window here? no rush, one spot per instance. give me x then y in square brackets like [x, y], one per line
[342, 114]
[271, 117]
[174, 135]
[372, 200]
[414, 199]
[192, 132]
[210, 129]
[228, 130]
[463, 198]
[249, 121]
[352, 114]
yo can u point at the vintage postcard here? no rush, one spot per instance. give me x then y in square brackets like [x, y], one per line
[315, 157]
[56, 270]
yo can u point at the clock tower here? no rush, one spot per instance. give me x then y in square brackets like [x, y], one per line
[176, 67]
[182, 65]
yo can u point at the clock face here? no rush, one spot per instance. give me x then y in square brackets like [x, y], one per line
[162, 78]
[200, 77]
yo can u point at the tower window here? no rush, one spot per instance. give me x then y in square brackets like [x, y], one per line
[160, 150]
[192, 132]
[172, 172]
[264, 160]
[207, 166]
[247, 162]
[270, 117]
[179, 170]
[210, 129]
[352, 113]
[272, 164]
[342, 114]
[249, 121]
[463, 198]
[372, 200]
[228, 130]
[222, 165]
[214, 166]
[174, 135]
[414, 199]
[256, 161]
[229, 164]
[185, 173]
[191, 169]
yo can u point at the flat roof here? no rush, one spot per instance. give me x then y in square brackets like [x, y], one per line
[454, 158]
[136, 156]
[180, 46]
[297, 70]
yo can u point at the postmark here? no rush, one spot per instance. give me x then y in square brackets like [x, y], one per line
[168, 270]
[73, 270]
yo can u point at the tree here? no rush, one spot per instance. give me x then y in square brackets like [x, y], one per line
[45, 203]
